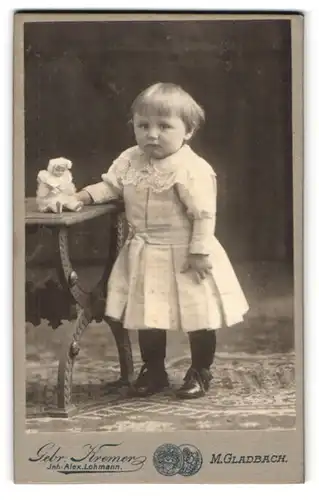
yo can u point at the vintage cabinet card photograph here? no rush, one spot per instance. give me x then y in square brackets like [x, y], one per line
[158, 176]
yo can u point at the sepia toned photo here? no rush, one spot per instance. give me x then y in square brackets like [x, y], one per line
[160, 241]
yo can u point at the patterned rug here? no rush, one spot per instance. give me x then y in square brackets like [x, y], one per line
[247, 392]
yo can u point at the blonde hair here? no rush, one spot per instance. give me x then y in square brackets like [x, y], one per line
[165, 99]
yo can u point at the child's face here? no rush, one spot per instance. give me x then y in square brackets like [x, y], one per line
[59, 170]
[160, 136]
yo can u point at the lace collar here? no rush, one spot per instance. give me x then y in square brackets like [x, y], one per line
[155, 174]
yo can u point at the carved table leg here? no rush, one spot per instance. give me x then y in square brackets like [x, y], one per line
[70, 347]
[70, 350]
[68, 275]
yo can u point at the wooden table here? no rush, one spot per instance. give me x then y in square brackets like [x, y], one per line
[89, 304]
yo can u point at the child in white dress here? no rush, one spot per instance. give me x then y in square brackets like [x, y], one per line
[172, 273]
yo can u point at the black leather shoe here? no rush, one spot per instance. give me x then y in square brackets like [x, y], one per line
[195, 386]
[150, 381]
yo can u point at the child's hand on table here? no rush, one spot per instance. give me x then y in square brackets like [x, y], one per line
[84, 197]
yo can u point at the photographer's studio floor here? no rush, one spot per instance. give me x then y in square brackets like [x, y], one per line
[254, 372]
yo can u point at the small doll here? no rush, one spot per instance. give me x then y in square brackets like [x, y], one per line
[56, 190]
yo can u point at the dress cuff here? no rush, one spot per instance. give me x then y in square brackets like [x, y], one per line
[202, 237]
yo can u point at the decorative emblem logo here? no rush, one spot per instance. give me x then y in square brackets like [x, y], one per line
[170, 459]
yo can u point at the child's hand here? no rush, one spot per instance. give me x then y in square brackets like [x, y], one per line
[198, 263]
[83, 197]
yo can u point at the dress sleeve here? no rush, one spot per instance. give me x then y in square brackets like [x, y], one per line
[198, 192]
[111, 186]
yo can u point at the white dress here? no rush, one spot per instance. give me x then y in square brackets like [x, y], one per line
[170, 206]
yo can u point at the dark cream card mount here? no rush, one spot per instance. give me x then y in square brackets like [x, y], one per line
[75, 78]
